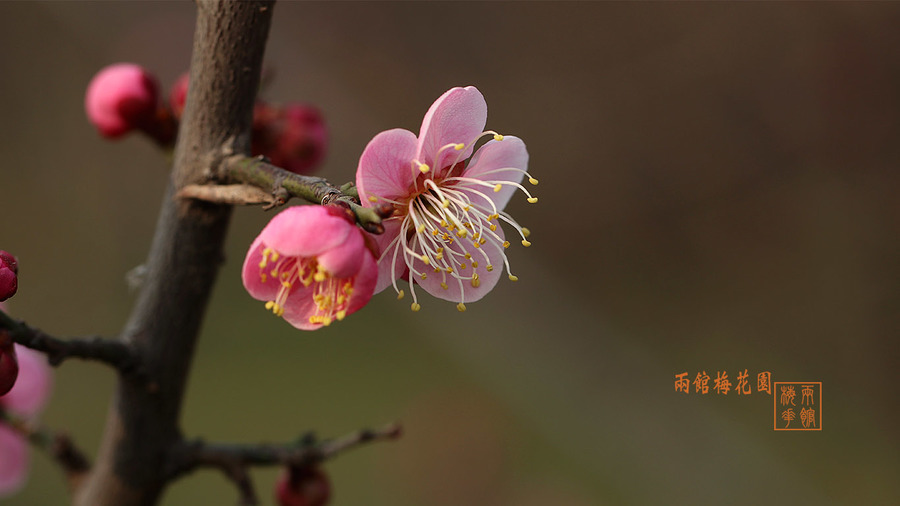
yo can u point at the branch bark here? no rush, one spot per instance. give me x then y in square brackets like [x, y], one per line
[142, 424]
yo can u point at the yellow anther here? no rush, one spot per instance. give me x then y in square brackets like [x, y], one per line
[274, 272]
[341, 315]
[482, 240]
[420, 228]
[498, 137]
[526, 232]
[526, 243]
[424, 168]
[467, 255]
[466, 208]
[415, 306]
[445, 204]
[449, 269]
[426, 260]
[326, 321]
[475, 281]
[498, 187]
[436, 270]
[462, 233]
[444, 285]
[532, 200]
[461, 307]
[474, 265]
[263, 277]
[275, 256]
[505, 244]
[459, 147]
[513, 277]
[439, 256]
[435, 232]
[286, 284]
[533, 181]
[373, 198]
[284, 275]
[443, 223]
[263, 262]
[440, 250]
[400, 295]
[462, 266]
[493, 227]
[425, 276]
[476, 244]
[489, 267]
[319, 276]
[270, 305]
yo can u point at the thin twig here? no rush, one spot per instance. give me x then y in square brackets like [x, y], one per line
[234, 459]
[283, 185]
[114, 353]
[57, 444]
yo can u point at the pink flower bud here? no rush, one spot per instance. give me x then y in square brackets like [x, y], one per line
[120, 98]
[178, 95]
[303, 487]
[9, 365]
[294, 137]
[9, 281]
[311, 266]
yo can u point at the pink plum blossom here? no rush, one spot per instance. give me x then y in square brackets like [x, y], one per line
[312, 265]
[26, 399]
[120, 98]
[448, 200]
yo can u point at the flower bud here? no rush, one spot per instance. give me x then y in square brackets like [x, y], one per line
[120, 98]
[294, 137]
[303, 487]
[178, 95]
[9, 365]
[9, 270]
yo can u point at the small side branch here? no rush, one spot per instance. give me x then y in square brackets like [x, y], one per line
[282, 185]
[57, 444]
[116, 354]
[234, 459]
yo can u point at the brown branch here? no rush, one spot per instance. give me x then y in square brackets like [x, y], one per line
[184, 258]
[234, 459]
[113, 353]
[283, 185]
[57, 444]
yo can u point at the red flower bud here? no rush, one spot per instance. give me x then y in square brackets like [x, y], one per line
[9, 269]
[120, 98]
[303, 487]
[294, 137]
[178, 95]
[9, 365]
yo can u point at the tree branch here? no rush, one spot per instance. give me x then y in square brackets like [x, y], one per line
[113, 353]
[255, 172]
[57, 444]
[234, 459]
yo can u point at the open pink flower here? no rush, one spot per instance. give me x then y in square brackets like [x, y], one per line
[26, 399]
[445, 234]
[311, 265]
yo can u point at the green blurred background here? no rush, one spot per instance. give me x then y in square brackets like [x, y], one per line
[718, 192]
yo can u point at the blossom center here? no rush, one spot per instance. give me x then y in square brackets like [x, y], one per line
[330, 295]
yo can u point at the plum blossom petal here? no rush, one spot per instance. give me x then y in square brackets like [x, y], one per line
[13, 461]
[386, 167]
[465, 283]
[498, 163]
[33, 386]
[458, 116]
[344, 260]
[305, 231]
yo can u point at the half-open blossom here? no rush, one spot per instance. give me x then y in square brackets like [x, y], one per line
[311, 265]
[26, 399]
[448, 199]
[121, 98]
[9, 280]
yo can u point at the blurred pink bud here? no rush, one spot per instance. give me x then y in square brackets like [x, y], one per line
[13, 461]
[32, 388]
[120, 98]
[178, 95]
[312, 266]
[303, 487]
[9, 365]
[9, 280]
[294, 137]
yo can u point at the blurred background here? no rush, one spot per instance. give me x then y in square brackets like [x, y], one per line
[718, 193]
